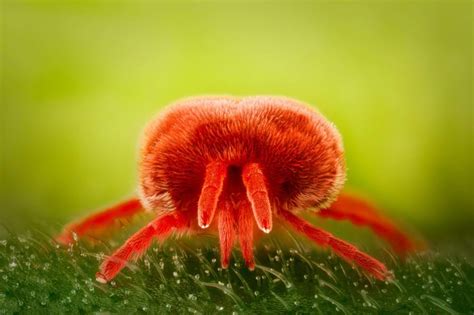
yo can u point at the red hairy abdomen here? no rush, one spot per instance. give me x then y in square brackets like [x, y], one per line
[299, 151]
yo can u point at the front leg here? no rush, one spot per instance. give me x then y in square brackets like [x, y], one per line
[138, 243]
[226, 227]
[347, 251]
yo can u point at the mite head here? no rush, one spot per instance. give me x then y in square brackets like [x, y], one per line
[295, 152]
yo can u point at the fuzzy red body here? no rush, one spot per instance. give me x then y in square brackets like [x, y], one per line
[235, 165]
[299, 151]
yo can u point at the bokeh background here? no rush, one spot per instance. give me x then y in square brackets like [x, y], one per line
[80, 80]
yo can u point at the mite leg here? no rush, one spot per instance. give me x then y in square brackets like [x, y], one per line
[245, 231]
[100, 220]
[345, 250]
[360, 212]
[226, 231]
[257, 194]
[212, 188]
[137, 244]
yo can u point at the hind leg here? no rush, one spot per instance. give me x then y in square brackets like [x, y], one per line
[100, 221]
[361, 212]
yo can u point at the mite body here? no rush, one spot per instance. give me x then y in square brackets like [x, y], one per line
[238, 166]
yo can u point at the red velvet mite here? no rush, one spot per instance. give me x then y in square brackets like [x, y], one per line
[238, 166]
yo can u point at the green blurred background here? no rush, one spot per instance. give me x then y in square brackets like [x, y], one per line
[80, 80]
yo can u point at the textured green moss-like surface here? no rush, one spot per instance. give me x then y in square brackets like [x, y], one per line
[37, 276]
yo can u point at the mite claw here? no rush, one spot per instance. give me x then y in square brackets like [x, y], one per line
[265, 227]
[265, 230]
[251, 266]
[64, 239]
[99, 277]
[203, 225]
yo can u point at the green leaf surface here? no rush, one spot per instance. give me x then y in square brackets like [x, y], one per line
[40, 277]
